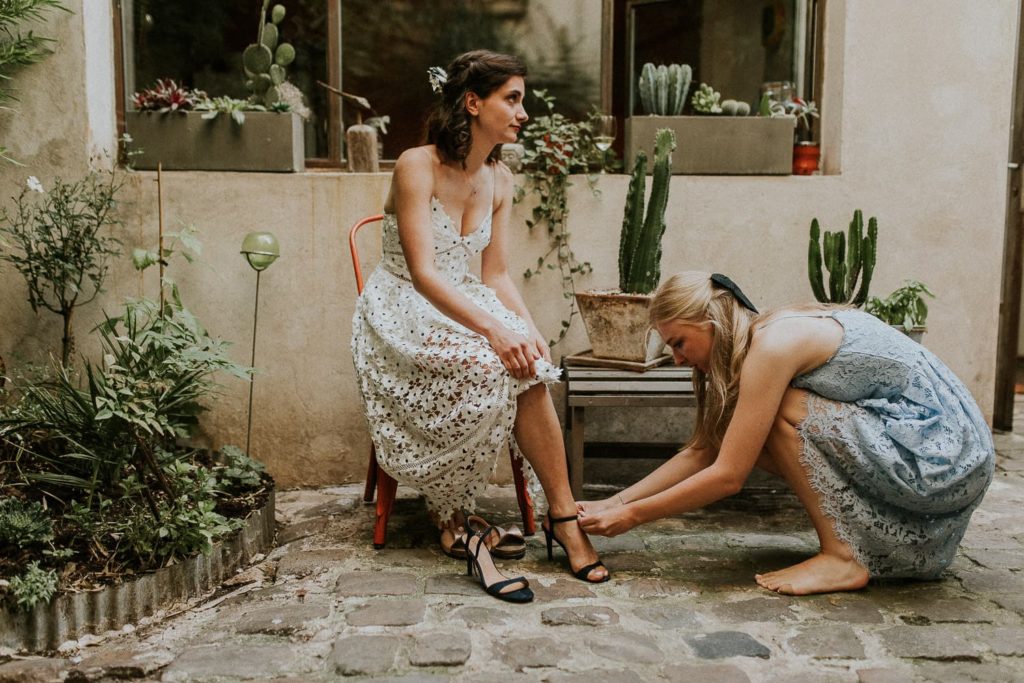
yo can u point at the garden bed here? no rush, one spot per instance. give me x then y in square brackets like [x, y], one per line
[91, 607]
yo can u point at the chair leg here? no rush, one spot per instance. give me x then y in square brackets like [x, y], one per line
[522, 495]
[371, 476]
[386, 488]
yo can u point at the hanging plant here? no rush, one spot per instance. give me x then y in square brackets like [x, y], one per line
[557, 147]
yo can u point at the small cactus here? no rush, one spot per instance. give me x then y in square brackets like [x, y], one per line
[663, 89]
[265, 60]
[640, 242]
[706, 100]
[735, 108]
[844, 269]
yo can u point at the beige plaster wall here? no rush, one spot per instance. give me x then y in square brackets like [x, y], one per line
[919, 148]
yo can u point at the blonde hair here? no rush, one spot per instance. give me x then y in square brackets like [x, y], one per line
[690, 297]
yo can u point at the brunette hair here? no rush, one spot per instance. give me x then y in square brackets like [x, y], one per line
[481, 72]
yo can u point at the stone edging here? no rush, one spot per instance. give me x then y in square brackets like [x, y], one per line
[72, 615]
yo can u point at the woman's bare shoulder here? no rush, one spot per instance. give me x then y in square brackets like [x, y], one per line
[417, 159]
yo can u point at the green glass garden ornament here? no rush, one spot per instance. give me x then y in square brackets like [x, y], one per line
[260, 249]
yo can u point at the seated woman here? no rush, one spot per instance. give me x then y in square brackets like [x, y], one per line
[451, 365]
[883, 445]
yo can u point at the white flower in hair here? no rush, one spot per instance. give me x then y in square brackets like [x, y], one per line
[438, 77]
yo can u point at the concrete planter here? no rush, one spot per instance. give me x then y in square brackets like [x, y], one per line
[618, 326]
[718, 145]
[69, 616]
[185, 141]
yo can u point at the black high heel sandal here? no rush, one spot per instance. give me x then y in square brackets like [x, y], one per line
[480, 560]
[583, 574]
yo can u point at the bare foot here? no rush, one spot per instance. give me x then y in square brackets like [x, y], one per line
[820, 574]
[578, 548]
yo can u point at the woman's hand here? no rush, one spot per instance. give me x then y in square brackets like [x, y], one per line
[516, 352]
[611, 522]
[590, 507]
[540, 344]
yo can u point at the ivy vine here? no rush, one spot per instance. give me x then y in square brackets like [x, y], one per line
[555, 148]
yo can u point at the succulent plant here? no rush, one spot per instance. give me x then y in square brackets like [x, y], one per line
[844, 268]
[663, 89]
[640, 242]
[167, 95]
[265, 60]
[735, 108]
[706, 100]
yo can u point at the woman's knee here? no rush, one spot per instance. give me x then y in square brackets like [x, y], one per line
[792, 411]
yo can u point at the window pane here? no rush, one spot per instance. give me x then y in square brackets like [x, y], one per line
[734, 46]
[200, 43]
[387, 46]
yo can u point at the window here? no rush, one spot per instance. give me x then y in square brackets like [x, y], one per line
[200, 43]
[388, 46]
[383, 50]
[735, 46]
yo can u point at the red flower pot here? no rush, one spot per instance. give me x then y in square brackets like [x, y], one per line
[805, 157]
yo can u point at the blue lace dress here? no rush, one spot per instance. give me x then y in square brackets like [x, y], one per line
[439, 404]
[897, 448]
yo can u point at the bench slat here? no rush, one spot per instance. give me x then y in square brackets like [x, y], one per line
[640, 387]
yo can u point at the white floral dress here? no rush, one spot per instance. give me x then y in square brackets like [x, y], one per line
[439, 403]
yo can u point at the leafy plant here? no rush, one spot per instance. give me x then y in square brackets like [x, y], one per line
[33, 585]
[905, 307]
[18, 49]
[640, 242]
[844, 268]
[23, 524]
[167, 96]
[556, 147]
[60, 243]
[238, 472]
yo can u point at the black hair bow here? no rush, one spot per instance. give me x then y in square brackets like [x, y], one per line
[722, 281]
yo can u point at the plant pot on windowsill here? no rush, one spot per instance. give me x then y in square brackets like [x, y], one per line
[806, 158]
[719, 145]
[182, 141]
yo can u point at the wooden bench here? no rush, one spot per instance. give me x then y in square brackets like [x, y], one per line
[586, 387]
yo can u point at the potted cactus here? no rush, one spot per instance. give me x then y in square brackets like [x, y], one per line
[616, 320]
[848, 259]
[268, 136]
[721, 139]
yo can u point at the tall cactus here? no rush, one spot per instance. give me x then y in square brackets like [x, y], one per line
[663, 89]
[640, 242]
[265, 60]
[845, 266]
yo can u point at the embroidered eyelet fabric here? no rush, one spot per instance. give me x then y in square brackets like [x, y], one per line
[439, 403]
[896, 447]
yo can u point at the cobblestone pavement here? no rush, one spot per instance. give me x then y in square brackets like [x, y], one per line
[682, 606]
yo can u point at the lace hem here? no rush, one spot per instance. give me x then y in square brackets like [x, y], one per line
[833, 493]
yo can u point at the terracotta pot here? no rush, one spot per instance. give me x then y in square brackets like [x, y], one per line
[618, 326]
[805, 157]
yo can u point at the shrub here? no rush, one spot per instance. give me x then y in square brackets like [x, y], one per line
[33, 585]
[23, 524]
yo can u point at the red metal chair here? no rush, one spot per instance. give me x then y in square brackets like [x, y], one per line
[381, 481]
